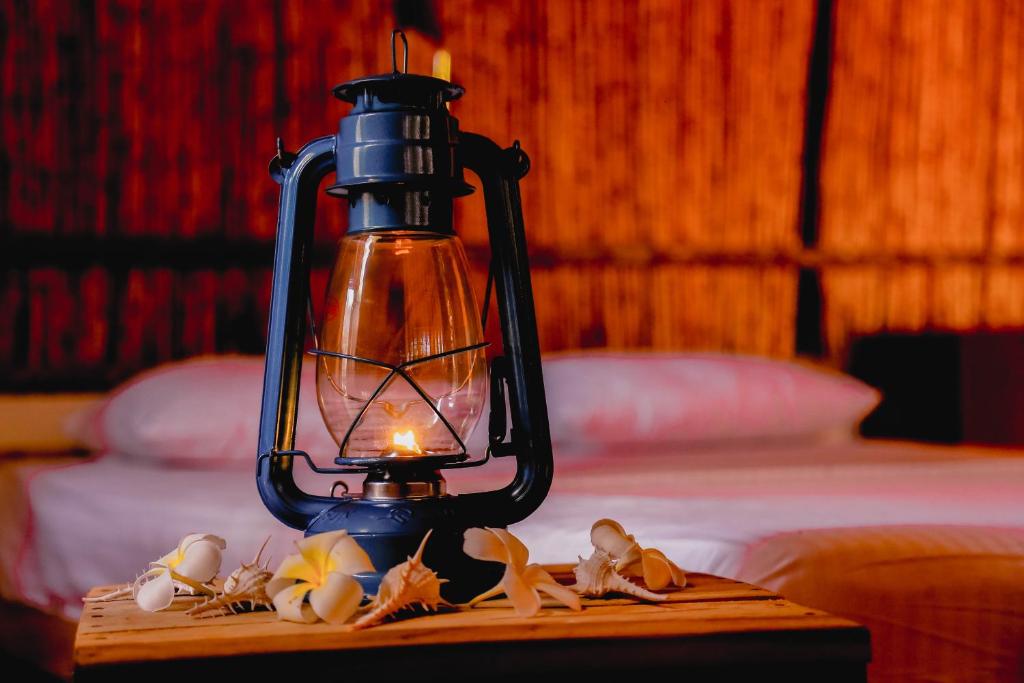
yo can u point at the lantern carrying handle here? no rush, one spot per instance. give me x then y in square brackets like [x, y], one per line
[394, 51]
[299, 175]
[499, 171]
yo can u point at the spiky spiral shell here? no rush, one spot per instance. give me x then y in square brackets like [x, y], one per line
[405, 585]
[596, 577]
[245, 590]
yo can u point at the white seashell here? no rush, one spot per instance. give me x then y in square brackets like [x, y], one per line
[405, 585]
[657, 570]
[596, 577]
[245, 589]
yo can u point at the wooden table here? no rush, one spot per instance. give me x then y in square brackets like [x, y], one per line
[715, 629]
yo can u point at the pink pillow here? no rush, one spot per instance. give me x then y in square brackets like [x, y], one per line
[202, 412]
[636, 398]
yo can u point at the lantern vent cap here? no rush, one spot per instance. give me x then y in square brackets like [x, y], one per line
[404, 90]
[398, 88]
[396, 151]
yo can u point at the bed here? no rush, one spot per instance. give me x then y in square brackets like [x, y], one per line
[923, 544]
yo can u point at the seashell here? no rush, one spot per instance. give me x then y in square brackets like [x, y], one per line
[657, 570]
[596, 577]
[405, 585]
[245, 589]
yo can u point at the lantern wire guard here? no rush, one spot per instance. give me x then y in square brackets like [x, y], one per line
[400, 371]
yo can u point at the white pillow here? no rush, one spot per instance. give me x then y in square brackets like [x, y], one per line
[204, 412]
[664, 398]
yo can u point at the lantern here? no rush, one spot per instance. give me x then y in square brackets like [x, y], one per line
[402, 373]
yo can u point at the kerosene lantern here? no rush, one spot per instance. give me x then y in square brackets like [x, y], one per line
[402, 373]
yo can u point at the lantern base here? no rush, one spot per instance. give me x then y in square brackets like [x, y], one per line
[390, 531]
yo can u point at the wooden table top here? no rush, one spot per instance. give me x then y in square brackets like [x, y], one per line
[118, 633]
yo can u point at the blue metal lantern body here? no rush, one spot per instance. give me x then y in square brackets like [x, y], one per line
[398, 159]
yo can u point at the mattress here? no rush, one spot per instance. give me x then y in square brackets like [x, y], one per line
[925, 545]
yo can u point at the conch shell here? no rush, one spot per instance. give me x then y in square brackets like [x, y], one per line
[657, 571]
[521, 581]
[245, 589]
[322, 570]
[188, 569]
[596, 577]
[405, 585]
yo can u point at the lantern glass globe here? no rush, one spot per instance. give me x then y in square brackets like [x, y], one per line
[396, 297]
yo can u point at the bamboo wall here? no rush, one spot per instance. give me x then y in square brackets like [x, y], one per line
[923, 168]
[666, 141]
[675, 166]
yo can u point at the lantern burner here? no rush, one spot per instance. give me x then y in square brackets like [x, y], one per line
[399, 483]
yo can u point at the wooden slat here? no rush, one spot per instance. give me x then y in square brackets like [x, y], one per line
[118, 632]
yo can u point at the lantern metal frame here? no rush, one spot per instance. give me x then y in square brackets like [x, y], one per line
[390, 530]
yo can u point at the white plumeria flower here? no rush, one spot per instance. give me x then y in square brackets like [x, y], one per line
[323, 571]
[187, 568]
[521, 581]
[631, 560]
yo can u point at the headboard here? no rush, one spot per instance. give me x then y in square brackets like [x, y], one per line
[759, 176]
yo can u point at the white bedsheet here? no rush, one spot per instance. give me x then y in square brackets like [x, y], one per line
[923, 545]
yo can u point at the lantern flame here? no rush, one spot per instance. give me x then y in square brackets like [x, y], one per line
[406, 441]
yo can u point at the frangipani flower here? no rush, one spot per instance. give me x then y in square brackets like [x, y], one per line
[631, 560]
[322, 570]
[521, 581]
[187, 568]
